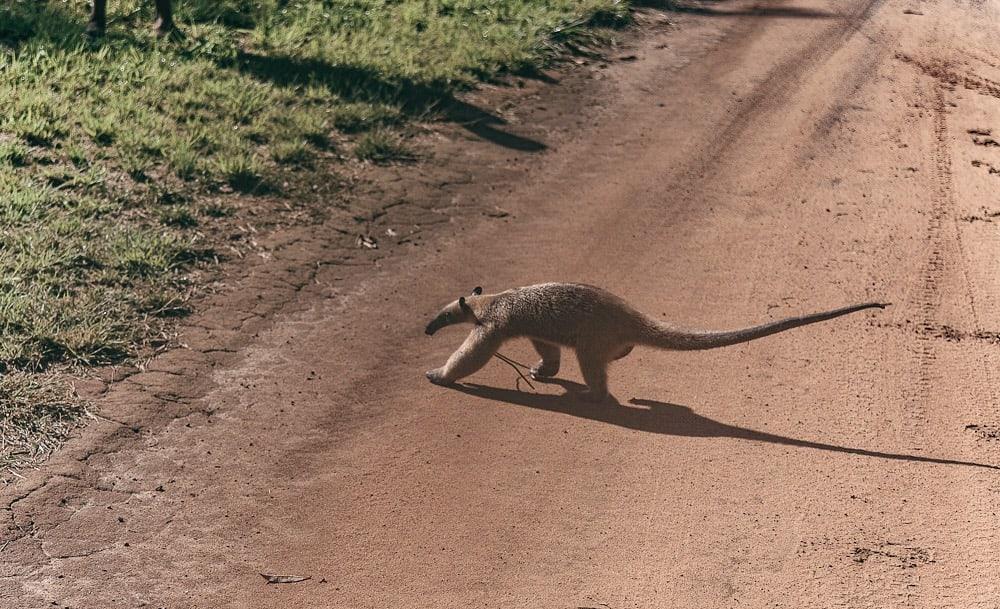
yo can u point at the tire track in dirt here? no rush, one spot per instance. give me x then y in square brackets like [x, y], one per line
[946, 261]
[947, 79]
[932, 275]
[929, 300]
[979, 543]
[933, 387]
[903, 581]
[781, 83]
[944, 204]
[777, 87]
[942, 210]
[981, 58]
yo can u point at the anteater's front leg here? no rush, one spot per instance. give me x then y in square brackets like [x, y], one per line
[477, 349]
[548, 366]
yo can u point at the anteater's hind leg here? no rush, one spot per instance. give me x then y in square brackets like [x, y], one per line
[549, 364]
[594, 367]
[477, 349]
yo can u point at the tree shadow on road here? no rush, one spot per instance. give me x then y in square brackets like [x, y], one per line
[414, 99]
[668, 419]
[703, 8]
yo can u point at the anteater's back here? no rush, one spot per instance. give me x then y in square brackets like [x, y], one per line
[562, 313]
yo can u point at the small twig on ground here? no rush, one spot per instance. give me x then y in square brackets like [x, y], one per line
[517, 368]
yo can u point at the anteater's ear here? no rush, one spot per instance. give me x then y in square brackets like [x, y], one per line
[461, 301]
[477, 290]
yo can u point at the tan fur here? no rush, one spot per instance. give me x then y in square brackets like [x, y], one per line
[598, 325]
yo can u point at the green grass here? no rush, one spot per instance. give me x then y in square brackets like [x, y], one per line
[113, 152]
[382, 146]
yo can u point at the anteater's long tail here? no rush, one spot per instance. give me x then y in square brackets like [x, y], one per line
[667, 337]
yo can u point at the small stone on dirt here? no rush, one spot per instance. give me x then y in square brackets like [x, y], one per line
[366, 241]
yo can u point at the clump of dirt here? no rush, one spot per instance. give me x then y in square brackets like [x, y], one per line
[988, 336]
[943, 72]
[947, 332]
[955, 335]
[989, 166]
[904, 556]
[985, 432]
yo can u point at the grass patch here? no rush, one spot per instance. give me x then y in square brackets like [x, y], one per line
[110, 150]
[36, 413]
[382, 146]
[13, 153]
[243, 172]
[295, 154]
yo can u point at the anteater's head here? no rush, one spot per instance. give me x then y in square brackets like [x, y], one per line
[457, 312]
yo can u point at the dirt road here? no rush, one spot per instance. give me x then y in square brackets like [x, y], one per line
[763, 160]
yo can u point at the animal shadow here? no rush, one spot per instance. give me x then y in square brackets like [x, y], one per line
[668, 419]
